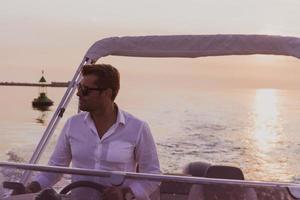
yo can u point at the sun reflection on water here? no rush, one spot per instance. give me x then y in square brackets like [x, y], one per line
[266, 119]
[267, 139]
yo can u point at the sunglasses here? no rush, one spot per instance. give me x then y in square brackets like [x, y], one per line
[84, 90]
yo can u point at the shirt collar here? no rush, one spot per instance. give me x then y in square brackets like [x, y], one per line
[120, 116]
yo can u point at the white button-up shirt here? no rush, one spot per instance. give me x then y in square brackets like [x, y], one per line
[126, 144]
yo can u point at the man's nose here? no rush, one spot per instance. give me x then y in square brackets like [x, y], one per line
[78, 93]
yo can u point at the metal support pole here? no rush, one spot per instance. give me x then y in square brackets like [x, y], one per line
[54, 121]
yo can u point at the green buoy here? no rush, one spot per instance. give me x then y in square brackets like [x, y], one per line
[42, 101]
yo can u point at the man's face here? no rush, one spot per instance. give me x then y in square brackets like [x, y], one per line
[91, 97]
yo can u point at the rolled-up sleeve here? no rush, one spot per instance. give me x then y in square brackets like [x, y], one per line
[147, 160]
[60, 157]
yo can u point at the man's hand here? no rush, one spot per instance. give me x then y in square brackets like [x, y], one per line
[112, 193]
[33, 187]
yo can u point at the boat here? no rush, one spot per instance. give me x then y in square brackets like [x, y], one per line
[200, 180]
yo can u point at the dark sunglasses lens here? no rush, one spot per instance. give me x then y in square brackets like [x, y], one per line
[84, 91]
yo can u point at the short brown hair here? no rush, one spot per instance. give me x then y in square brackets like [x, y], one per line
[108, 76]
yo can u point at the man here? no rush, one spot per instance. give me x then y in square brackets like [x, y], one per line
[103, 137]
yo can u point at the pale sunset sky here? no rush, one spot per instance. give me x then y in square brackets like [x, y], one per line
[54, 35]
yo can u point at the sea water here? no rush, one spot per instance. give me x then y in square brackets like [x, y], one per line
[254, 129]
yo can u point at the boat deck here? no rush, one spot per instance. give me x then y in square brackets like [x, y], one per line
[181, 191]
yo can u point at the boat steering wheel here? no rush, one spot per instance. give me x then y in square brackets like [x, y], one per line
[88, 184]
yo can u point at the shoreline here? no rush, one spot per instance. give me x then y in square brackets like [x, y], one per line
[52, 84]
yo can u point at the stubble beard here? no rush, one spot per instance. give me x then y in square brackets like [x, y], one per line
[82, 106]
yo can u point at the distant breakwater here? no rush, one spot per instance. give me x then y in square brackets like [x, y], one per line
[52, 84]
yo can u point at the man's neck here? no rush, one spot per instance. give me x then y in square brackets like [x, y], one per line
[104, 119]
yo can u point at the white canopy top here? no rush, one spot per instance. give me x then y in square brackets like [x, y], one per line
[194, 46]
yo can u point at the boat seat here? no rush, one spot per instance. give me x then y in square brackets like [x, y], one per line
[221, 191]
[224, 172]
[172, 190]
[198, 169]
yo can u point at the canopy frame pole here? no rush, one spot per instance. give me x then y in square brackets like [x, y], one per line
[145, 176]
[54, 120]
